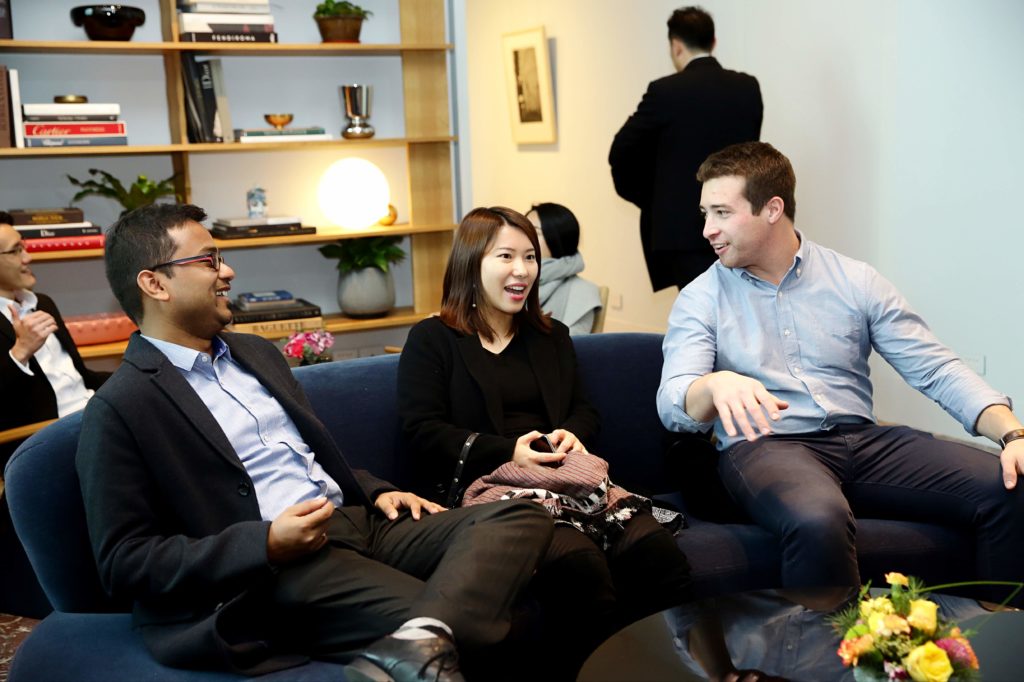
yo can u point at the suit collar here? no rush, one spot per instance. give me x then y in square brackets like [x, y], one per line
[707, 62]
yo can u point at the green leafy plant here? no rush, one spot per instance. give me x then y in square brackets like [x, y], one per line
[330, 8]
[364, 252]
[142, 192]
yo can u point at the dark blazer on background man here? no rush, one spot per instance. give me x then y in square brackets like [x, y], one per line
[27, 399]
[680, 121]
[172, 513]
[444, 395]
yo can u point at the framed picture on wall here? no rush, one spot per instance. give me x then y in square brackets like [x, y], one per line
[531, 98]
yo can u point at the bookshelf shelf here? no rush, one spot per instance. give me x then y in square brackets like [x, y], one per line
[322, 236]
[221, 147]
[109, 47]
[336, 324]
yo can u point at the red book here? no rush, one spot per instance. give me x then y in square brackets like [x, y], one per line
[89, 241]
[65, 129]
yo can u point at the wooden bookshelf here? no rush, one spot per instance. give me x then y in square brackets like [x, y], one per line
[423, 52]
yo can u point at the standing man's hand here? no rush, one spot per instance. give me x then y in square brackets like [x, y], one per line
[299, 530]
[739, 400]
[1012, 458]
[31, 332]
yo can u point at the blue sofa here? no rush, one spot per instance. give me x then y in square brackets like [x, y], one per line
[88, 637]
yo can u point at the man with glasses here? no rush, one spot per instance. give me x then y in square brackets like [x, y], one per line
[220, 505]
[42, 374]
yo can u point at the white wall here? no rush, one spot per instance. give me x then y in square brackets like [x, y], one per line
[902, 119]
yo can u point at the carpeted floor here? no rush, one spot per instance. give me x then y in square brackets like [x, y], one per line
[13, 630]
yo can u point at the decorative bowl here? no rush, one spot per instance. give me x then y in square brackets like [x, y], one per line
[279, 121]
[108, 22]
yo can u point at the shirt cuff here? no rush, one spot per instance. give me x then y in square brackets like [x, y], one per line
[23, 367]
[672, 404]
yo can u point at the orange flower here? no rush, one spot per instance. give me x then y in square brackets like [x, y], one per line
[850, 650]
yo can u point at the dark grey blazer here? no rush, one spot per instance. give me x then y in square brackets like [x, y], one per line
[172, 514]
[681, 120]
[444, 395]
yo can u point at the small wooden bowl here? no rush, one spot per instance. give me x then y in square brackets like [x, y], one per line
[279, 121]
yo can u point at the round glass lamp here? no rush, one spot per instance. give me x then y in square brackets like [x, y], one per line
[353, 194]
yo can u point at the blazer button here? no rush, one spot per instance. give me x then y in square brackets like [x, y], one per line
[243, 489]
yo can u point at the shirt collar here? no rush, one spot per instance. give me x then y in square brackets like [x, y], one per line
[796, 269]
[185, 358]
[23, 298]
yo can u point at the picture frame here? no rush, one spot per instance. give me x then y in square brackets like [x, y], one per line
[528, 81]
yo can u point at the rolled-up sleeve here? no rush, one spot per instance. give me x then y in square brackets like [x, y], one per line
[689, 350]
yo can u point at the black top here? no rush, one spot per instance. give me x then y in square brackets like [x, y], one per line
[521, 400]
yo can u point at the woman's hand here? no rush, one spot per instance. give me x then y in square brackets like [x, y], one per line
[527, 458]
[566, 441]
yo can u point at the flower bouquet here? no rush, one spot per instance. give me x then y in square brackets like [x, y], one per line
[309, 347]
[901, 636]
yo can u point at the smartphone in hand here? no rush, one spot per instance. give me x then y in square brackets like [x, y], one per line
[542, 444]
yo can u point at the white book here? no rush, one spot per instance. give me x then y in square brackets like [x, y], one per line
[286, 138]
[54, 109]
[188, 3]
[227, 7]
[196, 22]
[16, 120]
[221, 94]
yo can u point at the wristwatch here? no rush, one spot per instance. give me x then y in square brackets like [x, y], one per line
[1011, 436]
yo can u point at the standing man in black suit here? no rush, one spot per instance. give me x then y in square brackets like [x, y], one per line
[220, 505]
[42, 374]
[680, 121]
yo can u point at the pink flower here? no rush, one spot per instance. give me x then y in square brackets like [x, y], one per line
[959, 651]
[308, 346]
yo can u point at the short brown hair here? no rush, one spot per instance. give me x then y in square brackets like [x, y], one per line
[768, 173]
[462, 284]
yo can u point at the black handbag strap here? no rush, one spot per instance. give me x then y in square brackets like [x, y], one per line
[454, 492]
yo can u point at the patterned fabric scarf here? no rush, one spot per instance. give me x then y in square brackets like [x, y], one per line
[577, 492]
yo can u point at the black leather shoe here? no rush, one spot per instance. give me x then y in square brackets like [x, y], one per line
[390, 659]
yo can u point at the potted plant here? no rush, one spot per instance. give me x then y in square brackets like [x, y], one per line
[366, 287]
[340, 22]
[142, 192]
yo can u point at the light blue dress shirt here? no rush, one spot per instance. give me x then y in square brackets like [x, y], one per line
[277, 459]
[808, 341]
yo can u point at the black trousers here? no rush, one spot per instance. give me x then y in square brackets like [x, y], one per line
[464, 567]
[587, 594]
[807, 489]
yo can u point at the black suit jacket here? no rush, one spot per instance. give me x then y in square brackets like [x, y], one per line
[27, 399]
[680, 121]
[444, 396]
[172, 514]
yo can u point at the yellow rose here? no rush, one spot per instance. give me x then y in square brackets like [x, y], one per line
[880, 605]
[896, 579]
[923, 615]
[928, 663]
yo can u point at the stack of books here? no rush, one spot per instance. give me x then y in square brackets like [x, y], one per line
[56, 229]
[274, 226]
[226, 21]
[48, 124]
[272, 312]
[306, 134]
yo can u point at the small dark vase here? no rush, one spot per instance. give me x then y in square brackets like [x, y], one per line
[108, 22]
[342, 29]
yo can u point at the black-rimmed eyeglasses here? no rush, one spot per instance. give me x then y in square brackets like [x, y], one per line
[214, 260]
[16, 251]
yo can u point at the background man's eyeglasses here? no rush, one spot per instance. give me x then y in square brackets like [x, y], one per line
[16, 251]
[214, 260]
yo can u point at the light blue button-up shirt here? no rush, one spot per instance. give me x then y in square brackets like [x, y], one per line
[277, 459]
[808, 341]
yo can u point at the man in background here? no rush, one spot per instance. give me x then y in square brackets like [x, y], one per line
[42, 377]
[681, 119]
[42, 374]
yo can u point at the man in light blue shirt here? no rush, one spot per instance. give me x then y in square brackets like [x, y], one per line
[770, 347]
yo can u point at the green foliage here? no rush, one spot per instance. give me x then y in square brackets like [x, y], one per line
[364, 252]
[142, 192]
[330, 8]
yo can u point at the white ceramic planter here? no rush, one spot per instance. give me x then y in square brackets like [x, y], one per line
[366, 293]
